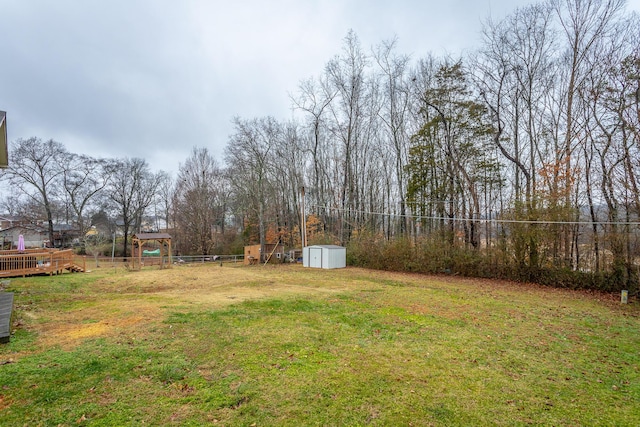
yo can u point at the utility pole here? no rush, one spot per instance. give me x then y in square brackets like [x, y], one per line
[303, 223]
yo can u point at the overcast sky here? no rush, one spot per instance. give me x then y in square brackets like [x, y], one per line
[154, 78]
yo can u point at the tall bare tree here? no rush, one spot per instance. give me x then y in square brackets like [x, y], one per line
[514, 74]
[395, 115]
[346, 75]
[131, 190]
[164, 199]
[584, 23]
[197, 201]
[83, 179]
[36, 170]
[249, 155]
[313, 98]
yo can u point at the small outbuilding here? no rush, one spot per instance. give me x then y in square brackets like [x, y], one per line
[324, 256]
[273, 254]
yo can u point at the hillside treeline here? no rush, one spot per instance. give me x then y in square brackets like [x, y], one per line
[519, 159]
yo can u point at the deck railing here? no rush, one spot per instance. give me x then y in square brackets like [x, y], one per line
[37, 261]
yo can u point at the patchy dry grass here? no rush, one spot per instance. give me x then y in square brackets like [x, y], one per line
[258, 345]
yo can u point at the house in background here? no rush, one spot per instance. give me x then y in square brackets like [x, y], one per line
[64, 235]
[34, 237]
[8, 221]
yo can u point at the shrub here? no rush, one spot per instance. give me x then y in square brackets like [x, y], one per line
[433, 256]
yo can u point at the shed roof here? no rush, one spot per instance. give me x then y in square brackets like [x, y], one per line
[12, 218]
[327, 246]
[28, 227]
[152, 236]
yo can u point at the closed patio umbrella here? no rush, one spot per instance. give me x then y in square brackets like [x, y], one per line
[21, 242]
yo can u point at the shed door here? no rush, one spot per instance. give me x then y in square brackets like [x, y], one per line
[315, 257]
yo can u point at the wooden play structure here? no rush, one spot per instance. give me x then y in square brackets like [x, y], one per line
[273, 253]
[29, 262]
[161, 257]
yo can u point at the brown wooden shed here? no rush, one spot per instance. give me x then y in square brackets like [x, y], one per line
[273, 252]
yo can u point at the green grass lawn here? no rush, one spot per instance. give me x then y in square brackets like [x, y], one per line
[263, 346]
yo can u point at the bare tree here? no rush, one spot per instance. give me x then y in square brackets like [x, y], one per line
[514, 74]
[198, 207]
[83, 179]
[36, 170]
[131, 190]
[10, 204]
[346, 75]
[249, 155]
[289, 167]
[164, 199]
[395, 115]
[584, 23]
[313, 99]
[95, 243]
[609, 92]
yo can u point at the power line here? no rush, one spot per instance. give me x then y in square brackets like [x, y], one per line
[483, 220]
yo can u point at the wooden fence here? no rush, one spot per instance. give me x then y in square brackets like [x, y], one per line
[147, 261]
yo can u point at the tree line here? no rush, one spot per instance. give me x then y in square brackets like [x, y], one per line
[49, 183]
[519, 159]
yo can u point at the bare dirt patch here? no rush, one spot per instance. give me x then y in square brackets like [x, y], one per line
[126, 303]
[67, 329]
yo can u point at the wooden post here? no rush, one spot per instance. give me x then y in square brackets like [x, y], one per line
[303, 224]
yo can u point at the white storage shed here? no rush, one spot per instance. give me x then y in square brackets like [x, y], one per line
[324, 256]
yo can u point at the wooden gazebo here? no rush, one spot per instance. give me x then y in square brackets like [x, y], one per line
[137, 244]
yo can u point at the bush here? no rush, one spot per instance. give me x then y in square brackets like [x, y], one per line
[432, 256]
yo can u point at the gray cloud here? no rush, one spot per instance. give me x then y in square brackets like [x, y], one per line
[153, 79]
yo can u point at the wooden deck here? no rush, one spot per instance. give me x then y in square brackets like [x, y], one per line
[38, 261]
